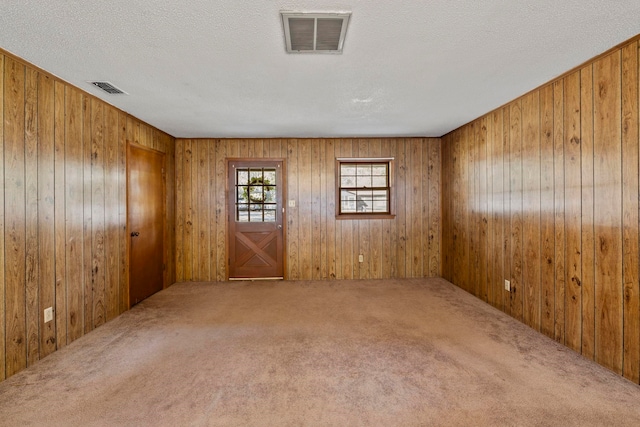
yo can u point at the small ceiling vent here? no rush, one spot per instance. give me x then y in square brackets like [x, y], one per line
[109, 88]
[306, 32]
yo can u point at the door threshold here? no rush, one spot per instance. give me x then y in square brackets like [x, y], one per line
[256, 278]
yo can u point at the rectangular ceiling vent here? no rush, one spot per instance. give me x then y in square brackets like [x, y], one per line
[311, 32]
[109, 88]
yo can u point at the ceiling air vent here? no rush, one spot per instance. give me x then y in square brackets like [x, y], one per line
[306, 32]
[109, 88]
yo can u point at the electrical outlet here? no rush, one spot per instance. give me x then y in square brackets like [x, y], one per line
[507, 285]
[292, 203]
[360, 258]
[48, 314]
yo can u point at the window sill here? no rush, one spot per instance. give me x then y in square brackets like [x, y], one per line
[365, 216]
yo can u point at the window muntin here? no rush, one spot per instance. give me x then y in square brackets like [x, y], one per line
[364, 187]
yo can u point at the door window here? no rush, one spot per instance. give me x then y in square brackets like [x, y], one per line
[256, 193]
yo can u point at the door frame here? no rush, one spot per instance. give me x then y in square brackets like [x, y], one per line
[127, 287]
[284, 212]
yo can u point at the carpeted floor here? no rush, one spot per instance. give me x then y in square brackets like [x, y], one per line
[348, 353]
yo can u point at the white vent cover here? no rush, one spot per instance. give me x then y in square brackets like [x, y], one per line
[311, 32]
[109, 88]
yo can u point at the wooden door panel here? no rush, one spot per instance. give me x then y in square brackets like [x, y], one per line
[256, 218]
[145, 219]
[256, 249]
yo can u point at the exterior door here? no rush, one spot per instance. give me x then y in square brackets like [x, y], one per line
[145, 220]
[256, 219]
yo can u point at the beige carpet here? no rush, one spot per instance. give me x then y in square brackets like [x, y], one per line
[349, 353]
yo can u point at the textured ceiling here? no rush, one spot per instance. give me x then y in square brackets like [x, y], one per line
[205, 68]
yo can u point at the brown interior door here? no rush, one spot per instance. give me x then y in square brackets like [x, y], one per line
[145, 219]
[256, 218]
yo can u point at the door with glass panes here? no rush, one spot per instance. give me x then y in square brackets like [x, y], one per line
[256, 219]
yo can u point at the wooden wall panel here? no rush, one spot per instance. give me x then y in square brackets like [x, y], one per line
[60, 306]
[570, 161]
[330, 204]
[433, 206]
[318, 246]
[214, 207]
[414, 210]
[168, 147]
[189, 209]
[446, 211]
[515, 204]
[497, 208]
[179, 226]
[305, 190]
[458, 223]
[482, 206]
[3, 352]
[473, 274]
[608, 215]
[46, 225]
[220, 151]
[401, 209]
[123, 238]
[531, 177]
[87, 260]
[317, 211]
[506, 235]
[195, 212]
[630, 229]
[31, 198]
[559, 204]
[74, 214]
[97, 212]
[547, 219]
[470, 213]
[111, 238]
[587, 229]
[204, 209]
[15, 216]
[293, 212]
[572, 212]
[62, 212]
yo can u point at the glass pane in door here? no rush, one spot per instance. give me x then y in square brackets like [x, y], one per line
[256, 194]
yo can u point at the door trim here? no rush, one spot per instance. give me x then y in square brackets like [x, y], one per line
[127, 287]
[284, 214]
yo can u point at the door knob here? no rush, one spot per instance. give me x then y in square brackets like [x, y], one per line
[280, 226]
[135, 234]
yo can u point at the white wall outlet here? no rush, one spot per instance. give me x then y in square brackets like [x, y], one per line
[360, 258]
[507, 285]
[48, 314]
[292, 203]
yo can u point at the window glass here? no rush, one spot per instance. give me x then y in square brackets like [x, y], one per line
[364, 187]
[256, 194]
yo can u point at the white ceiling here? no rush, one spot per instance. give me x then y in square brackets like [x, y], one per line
[206, 68]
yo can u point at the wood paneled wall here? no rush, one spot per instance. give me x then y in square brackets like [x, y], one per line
[317, 245]
[544, 192]
[63, 211]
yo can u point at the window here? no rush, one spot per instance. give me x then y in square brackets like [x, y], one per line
[363, 188]
[256, 194]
